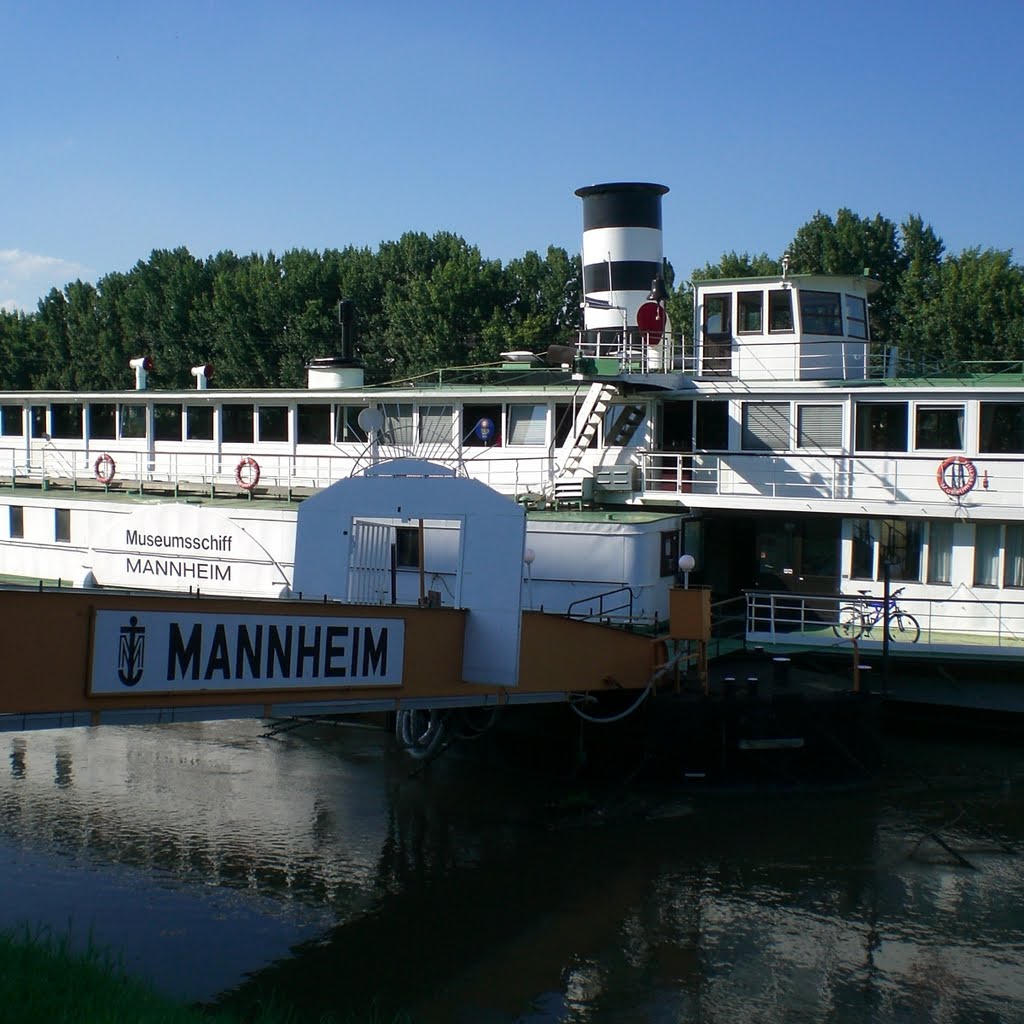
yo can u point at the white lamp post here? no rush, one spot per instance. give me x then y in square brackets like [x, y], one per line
[686, 564]
[528, 556]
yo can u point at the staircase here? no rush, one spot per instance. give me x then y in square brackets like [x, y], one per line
[587, 419]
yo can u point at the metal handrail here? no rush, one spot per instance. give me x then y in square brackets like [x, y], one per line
[603, 612]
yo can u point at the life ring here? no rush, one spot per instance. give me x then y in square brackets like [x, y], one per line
[956, 476]
[247, 473]
[104, 468]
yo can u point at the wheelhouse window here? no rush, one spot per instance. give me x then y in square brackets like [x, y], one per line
[717, 348]
[313, 424]
[820, 313]
[780, 311]
[102, 421]
[66, 421]
[347, 428]
[132, 422]
[435, 424]
[819, 426]
[939, 428]
[881, 427]
[856, 317]
[750, 306]
[236, 424]
[481, 426]
[167, 420]
[527, 424]
[1002, 428]
[272, 422]
[199, 422]
[717, 315]
[11, 421]
[712, 427]
[766, 426]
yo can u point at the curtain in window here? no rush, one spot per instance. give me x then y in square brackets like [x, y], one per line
[986, 554]
[940, 552]
[527, 424]
[1013, 573]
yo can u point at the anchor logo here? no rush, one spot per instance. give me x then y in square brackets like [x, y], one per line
[131, 652]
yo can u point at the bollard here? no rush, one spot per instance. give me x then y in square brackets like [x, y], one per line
[780, 671]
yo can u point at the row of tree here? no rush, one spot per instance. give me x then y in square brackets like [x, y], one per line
[425, 302]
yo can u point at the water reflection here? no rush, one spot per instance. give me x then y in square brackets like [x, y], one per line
[317, 866]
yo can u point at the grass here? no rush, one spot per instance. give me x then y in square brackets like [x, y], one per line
[44, 981]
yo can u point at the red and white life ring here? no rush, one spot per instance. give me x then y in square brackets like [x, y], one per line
[104, 468]
[956, 476]
[247, 473]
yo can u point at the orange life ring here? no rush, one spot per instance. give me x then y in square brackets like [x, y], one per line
[247, 473]
[104, 468]
[956, 476]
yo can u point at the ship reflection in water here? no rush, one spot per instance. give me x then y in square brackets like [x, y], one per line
[314, 865]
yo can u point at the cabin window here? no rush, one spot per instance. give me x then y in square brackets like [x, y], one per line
[199, 422]
[1013, 568]
[527, 424]
[346, 419]
[750, 308]
[62, 525]
[1002, 428]
[133, 422]
[37, 420]
[167, 422]
[766, 426]
[856, 317]
[940, 428]
[820, 313]
[819, 426]
[900, 545]
[236, 424]
[565, 422]
[712, 427]
[407, 547]
[717, 314]
[940, 552]
[16, 521]
[481, 426]
[881, 427]
[102, 421]
[272, 422]
[66, 421]
[624, 425]
[780, 311]
[436, 424]
[313, 423]
[11, 421]
[669, 553]
[987, 537]
[862, 561]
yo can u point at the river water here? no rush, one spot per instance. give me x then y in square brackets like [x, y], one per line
[221, 863]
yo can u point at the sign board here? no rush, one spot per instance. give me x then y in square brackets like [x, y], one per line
[183, 652]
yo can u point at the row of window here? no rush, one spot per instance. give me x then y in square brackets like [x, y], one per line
[61, 523]
[913, 547]
[820, 313]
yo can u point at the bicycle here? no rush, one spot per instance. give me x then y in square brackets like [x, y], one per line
[855, 620]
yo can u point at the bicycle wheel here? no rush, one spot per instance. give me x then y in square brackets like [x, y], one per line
[903, 628]
[849, 624]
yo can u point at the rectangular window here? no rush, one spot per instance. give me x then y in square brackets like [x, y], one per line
[167, 422]
[527, 424]
[436, 424]
[669, 552]
[313, 424]
[397, 425]
[481, 426]
[66, 421]
[862, 562]
[272, 422]
[881, 427]
[899, 543]
[624, 425]
[1013, 562]
[37, 420]
[751, 305]
[102, 422]
[766, 426]
[717, 315]
[10, 421]
[940, 552]
[132, 422]
[1002, 428]
[819, 426]
[820, 313]
[407, 547]
[347, 428]
[199, 422]
[780, 311]
[712, 428]
[16, 520]
[856, 317]
[987, 543]
[939, 428]
[62, 525]
[236, 424]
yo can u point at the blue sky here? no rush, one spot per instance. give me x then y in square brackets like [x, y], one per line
[269, 126]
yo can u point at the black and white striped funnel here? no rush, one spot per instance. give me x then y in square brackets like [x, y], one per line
[622, 250]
